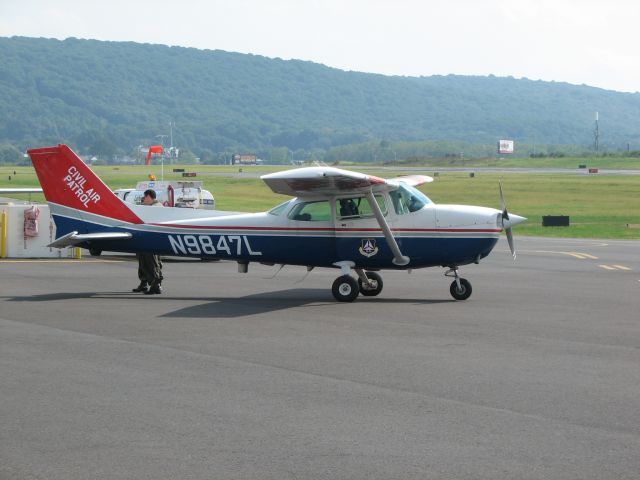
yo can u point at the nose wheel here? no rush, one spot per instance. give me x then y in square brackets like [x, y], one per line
[462, 291]
[460, 288]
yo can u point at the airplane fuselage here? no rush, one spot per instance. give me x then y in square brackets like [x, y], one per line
[433, 235]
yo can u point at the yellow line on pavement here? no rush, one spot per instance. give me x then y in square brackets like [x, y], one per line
[615, 267]
[592, 257]
[580, 255]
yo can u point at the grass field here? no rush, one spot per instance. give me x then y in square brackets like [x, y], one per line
[599, 206]
[626, 163]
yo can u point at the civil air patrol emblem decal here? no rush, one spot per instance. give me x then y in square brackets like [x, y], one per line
[368, 247]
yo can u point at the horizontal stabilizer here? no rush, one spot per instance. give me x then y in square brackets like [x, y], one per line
[74, 238]
[20, 190]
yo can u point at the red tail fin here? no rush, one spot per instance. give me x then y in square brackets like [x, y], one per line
[66, 180]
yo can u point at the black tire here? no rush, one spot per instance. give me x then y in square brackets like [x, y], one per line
[371, 292]
[345, 289]
[464, 292]
[95, 252]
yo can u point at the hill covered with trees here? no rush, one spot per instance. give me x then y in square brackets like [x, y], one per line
[108, 97]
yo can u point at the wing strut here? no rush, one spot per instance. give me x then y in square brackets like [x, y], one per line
[398, 259]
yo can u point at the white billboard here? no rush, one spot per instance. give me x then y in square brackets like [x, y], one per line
[505, 146]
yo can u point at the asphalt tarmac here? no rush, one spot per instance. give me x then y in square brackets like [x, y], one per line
[256, 376]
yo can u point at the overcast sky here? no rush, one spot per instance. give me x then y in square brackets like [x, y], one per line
[576, 41]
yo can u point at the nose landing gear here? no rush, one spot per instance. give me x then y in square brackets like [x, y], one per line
[460, 288]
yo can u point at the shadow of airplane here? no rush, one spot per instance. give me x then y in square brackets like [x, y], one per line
[231, 307]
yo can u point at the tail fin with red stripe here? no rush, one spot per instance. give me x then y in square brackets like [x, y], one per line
[67, 181]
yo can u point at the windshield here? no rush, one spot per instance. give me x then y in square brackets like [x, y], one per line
[280, 208]
[408, 199]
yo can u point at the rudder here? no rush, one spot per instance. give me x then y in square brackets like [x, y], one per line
[66, 180]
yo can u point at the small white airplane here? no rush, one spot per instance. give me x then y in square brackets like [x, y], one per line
[338, 219]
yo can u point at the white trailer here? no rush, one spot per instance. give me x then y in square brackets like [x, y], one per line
[171, 194]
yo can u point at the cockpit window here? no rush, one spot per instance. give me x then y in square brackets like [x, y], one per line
[280, 208]
[319, 211]
[407, 199]
[358, 207]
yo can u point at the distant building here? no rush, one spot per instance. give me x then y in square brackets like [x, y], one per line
[245, 159]
[505, 146]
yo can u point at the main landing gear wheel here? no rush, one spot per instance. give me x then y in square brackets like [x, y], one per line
[95, 252]
[345, 289]
[460, 293]
[367, 290]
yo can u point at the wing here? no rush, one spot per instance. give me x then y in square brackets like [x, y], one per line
[412, 180]
[332, 181]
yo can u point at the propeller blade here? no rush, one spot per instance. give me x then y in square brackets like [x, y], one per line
[503, 204]
[507, 222]
[510, 240]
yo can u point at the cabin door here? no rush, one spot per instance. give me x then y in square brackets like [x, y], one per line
[357, 233]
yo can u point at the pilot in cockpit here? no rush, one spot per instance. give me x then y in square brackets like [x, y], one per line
[348, 208]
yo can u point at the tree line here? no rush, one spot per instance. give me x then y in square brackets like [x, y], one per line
[108, 98]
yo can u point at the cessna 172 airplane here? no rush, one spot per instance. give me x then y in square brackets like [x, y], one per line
[338, 219]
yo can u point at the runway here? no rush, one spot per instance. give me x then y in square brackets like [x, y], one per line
[263, 375]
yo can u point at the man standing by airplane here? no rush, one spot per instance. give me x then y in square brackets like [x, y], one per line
[149, 265]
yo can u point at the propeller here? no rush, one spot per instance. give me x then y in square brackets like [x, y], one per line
[508, 221]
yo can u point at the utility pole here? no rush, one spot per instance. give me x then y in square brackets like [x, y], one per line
[596, 135]
[162, 137]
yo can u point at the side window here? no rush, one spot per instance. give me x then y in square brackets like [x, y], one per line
[358, 207]
[319, 211]
[348, 207]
